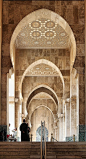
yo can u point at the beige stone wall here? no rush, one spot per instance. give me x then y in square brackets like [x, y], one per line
[60, 57]
[73, 13]
[53, 82]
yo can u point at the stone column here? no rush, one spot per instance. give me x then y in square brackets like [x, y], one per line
[17, 114]
[0, 51]
[60, 127]
[67, 118]
[8, 102]
[60, 110]
[23, 109]
[73, 116]
[29, 123]
[85, 71]
[64, 122]
[49, 130]
[55, 129]
[17, 107]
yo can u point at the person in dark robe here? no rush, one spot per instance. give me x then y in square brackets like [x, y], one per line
[24, 131]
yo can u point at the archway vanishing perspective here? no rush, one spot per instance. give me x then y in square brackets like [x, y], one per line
[42, 67]
[43, 52]
[43, 88]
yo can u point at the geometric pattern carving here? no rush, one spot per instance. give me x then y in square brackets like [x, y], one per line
[42, 70]
[42, 33]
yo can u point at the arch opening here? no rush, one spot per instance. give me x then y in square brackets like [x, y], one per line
[54, 18]
[42, 61]
[42, 88]
[32, 20]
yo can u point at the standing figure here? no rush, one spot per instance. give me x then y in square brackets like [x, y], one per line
[24, 131]
[8, 134]
[14, 134]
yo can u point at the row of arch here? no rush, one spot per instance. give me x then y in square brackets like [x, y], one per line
[43, 88]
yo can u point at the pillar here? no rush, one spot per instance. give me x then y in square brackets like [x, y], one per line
[63, 119]
[17, 109]
[17, 116]
[0, 51]
[23, 109]
[55, 130]
[60, 110]
[73, 116]
[56, 133]
[85, 72]
[67, 118]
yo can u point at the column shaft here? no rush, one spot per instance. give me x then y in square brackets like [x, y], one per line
[0, 51]
[73, 116]
[17, 115]
[67, 115]
[85, 70]
[24, 108]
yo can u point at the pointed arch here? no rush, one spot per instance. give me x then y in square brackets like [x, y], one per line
[50, 97]
[42, 88]
[42, 61]
[42, 13]
[45, 107]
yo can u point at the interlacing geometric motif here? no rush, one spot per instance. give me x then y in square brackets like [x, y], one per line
[42, 33]
[42, 28]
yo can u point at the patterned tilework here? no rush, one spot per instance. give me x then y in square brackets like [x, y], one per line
[70, 139]
[82, 132]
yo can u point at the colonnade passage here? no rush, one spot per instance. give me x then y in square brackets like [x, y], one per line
[42, 78]
[43, 70]
[46, 83]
